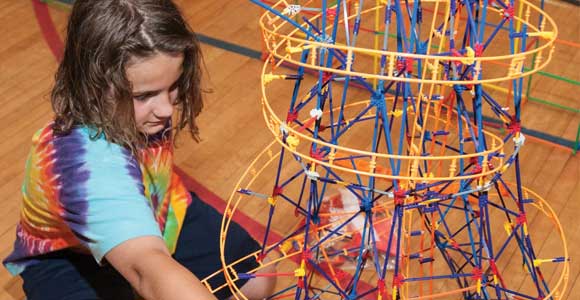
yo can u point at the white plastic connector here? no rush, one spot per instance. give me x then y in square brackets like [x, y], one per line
[312, 175]
[283, 129]
[487, 186]
[519, 141]
[292, 10]
[316, 113]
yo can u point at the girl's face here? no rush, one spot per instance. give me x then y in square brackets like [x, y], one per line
[155, 84]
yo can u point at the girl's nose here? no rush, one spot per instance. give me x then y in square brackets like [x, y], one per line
[164, 107]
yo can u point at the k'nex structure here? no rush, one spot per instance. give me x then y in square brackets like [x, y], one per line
[385, 181]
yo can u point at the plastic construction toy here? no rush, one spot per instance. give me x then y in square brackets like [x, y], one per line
[384, 181]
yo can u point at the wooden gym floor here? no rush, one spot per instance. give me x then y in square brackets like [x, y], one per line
[232, 127]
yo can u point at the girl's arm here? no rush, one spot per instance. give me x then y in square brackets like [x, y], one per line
[146, 263]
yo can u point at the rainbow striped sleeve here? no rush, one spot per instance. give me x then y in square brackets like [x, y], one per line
[79, 191]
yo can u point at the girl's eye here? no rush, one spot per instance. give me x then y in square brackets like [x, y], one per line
[148, 95]
[141, 98]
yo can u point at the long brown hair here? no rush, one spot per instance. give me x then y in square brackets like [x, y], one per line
[91, 87]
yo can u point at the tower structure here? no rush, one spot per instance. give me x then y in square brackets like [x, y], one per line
[387, 178]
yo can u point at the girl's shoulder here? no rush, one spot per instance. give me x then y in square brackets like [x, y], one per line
[80, 134]
[81, 141]
[84, 143]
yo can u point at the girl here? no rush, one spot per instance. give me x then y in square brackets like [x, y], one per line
[103, 212]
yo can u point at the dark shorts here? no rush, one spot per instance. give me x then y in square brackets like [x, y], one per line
[66, 275]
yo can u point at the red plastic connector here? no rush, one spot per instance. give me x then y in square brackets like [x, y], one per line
[292, 116]
[409, 65]
[514, 126]
[493, 266]
[477, 273]
[278, 190]
[398, 280]
[521, 219]
[326, 76]
[399, 196]
[381, 286]
[478, 50]
[261, 257]
[316, 154]
[508, 13]
[455, 245]
[330, 13]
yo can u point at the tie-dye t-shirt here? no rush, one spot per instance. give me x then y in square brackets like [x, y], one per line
[85, 193]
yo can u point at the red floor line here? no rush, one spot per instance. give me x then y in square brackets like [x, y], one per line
[255, 229]
[48, 29]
